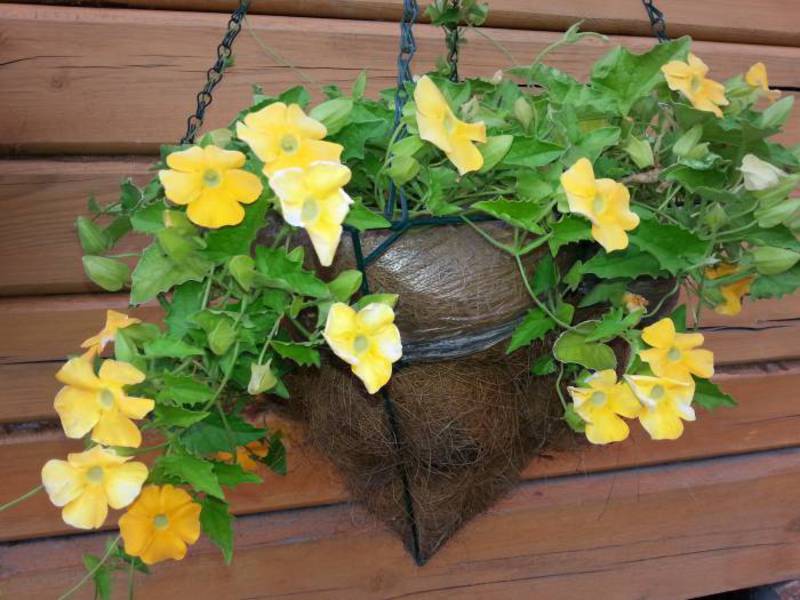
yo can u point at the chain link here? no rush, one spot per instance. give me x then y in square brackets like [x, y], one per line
[214, 74]
[452, 38]
[657, 23]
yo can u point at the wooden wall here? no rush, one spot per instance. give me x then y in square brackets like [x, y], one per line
[89, 92]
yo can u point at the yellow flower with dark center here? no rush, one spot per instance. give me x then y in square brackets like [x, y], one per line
[732, 293]
[114, 322]
[87, 483]
[285, 137]
[368, 340]
[313, 199]
[665, 405]
[438, 125]
[601, 405]
[246, 456]
[756, 77]
[676, 355]
[160, 524]
[212, 183]
[605, 202]
[689, 78]
[98, 403]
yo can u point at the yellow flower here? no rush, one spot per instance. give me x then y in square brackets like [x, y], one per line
[438, 125]
[313, 198]
[285, 137]
[246, 456]
[88, 482]
[212, 183]
[368, 340]
[665, 405]
[732, 293]
[689, 78]
[114, 322]
[675, 355]
[634, 302]
[160, 524]
[602, 404]
[98, 403]
[604, 202]
[756, 77]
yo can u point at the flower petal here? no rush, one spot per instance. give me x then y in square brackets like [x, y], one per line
[607, 429]
[307, 126]
[121, 373]
[389, 344]
[62, 482]
[137, 531]
[189, 161]
[223, 160]
[661, 424]
[660, 334]
[185, 522]
[115, 429]
[212, 211]
[700, 362]
[123, 483]
[181, 188]
[78, 410]
[243, 186]
[610, 237]
[262, 145]
[133, 407]
[340, 330]
[324, 177]
[464, 155]
[374, 371]
[87, 511]
[580, 186]
[78, 372]
[325, 240]
[164, 545]
[374, 316]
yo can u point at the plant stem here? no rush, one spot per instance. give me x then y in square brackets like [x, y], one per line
[488, 237]
[538, 302]
[94, 570]
[271, 335]
[22, 498]
[558, 386]
[131, 573]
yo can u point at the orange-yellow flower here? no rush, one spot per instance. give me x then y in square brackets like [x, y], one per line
[314, 198]
[87, 483]
[212, 183]
[98, 403]
[605, 202]
[732, 293]
[114, 322]
[634, 302]
[438, 125]
[676, 356]
[368, 340]
[601, 405]
[285, 137]
[665, 405]
[160, 524]
[246, 456]
[756, 77]
[689, 78]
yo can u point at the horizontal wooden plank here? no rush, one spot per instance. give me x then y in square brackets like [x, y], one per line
[751, 21]
[32, 267]
[668, 532]
[85, 80]
[766, 419]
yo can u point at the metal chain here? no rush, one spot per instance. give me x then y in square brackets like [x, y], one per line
[452, 37]
[214, 74]
[657, 23]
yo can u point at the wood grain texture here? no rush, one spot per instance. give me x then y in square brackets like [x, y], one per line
[766, 418]
[750, 21]
[85, 80]
[674, 531]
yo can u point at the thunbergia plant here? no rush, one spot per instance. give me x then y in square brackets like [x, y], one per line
[649, 169]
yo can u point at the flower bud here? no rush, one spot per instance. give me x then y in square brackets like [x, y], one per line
[640, 152]
[403, 169]
[108, 273]
[523, 112]
[178, 247]
[758, 174]
[687, 141]
[334, 114]
[769, 260]
[93, 239]
[634, 302]
[716, 217]
[243, 269]
[777, 213]
[261, 378]
[177, 219]
[221, 137]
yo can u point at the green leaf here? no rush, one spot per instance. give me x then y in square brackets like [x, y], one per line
[359, 86]
[613, 323]
[220, 330]
[531, 153]
[229, 241]
[92, 238]
[150, 219]
[217, 523]
[674, 247]
[156, 273]
[493, 151]
[568, 230]
[709, 396]
[211, 436]
[775, 115]
[544, 365]
[304, 356]
[187, 299]
[110, 274]
[629, 263]
[628, 77]
[194, 471]
[101, 577]
[534, 326]
[776, 286]
[281, 271]
[231, 475]
[605, 291]
[175, 416]
[778, 237]
[183, 390]
[403, 169]
[345, 285]
[388, 299]
[334, 114]
[167, 347]
[573, 347]
[574, 420]
[525, 215]
[276, 455]
[363, 218]
[640, 151]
